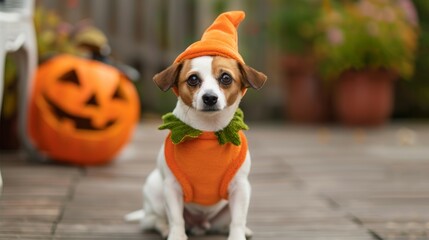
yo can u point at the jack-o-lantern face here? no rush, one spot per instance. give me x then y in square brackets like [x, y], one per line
[80, 122]
[82, 110]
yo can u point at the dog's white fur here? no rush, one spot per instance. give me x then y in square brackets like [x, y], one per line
[164, 208]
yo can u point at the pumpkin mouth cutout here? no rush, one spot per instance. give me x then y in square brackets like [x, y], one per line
[80, 123]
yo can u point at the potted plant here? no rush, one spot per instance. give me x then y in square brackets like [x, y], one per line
[293, 27]
[366, 45]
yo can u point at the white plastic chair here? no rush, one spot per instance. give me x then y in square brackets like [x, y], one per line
[17, 36]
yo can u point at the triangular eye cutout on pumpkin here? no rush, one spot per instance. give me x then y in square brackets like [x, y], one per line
[71, 77]
[92, 101]
[119, 94]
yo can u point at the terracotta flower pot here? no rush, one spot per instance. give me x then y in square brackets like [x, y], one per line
[306, 99]
[364, 97]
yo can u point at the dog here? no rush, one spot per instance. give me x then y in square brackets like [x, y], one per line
[178, 197]
[209, 92]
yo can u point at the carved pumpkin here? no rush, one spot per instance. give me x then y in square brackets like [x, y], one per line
[82, 111]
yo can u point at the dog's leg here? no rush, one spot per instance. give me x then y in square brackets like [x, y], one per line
[174, 206]
[239, 198]
[154, 203]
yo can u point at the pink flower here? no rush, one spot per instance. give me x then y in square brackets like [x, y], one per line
[366, 8]
[409, 10]
[64, 28]
[335, 36]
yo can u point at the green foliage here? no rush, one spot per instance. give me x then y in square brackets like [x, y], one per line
[422, 62]
[55, 36]
[414, 95]
[293, 24]
[10, 96]
[366, 34]
[220, 6]
[229, 134]
[181, 132]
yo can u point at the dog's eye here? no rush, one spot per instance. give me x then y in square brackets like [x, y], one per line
[225, 79]
[193, 80]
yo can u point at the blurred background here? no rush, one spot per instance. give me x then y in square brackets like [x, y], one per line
[307, 48]
[354, 73]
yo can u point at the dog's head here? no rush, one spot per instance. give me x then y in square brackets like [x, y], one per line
[209, 83]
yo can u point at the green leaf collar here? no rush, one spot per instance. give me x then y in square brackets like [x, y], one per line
[181, 132]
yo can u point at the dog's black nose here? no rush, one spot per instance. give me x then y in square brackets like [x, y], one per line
[209, 99]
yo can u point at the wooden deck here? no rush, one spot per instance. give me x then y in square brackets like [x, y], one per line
[308, 183]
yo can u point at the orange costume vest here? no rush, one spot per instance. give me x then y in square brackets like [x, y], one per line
[203, 167]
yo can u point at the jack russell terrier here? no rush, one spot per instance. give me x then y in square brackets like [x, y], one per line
[201, 182]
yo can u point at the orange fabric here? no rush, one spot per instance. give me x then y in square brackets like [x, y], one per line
[203, 167]
[219, 39]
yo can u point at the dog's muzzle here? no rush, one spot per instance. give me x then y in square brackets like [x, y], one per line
[210, 101]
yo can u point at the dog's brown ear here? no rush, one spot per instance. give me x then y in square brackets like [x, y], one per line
[251, 77]
[167, 78]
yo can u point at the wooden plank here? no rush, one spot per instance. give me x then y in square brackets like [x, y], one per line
[29, 236]
[10, 227]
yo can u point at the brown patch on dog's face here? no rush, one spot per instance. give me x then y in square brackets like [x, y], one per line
[186, 92]
[232, 91]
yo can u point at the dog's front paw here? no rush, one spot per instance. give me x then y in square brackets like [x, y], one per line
[237, 234]
[177, 234]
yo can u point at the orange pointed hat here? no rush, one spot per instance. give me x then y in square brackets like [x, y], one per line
[220, 39]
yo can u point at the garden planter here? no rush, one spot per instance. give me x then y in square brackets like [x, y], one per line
[306, 99]
[364, 97]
